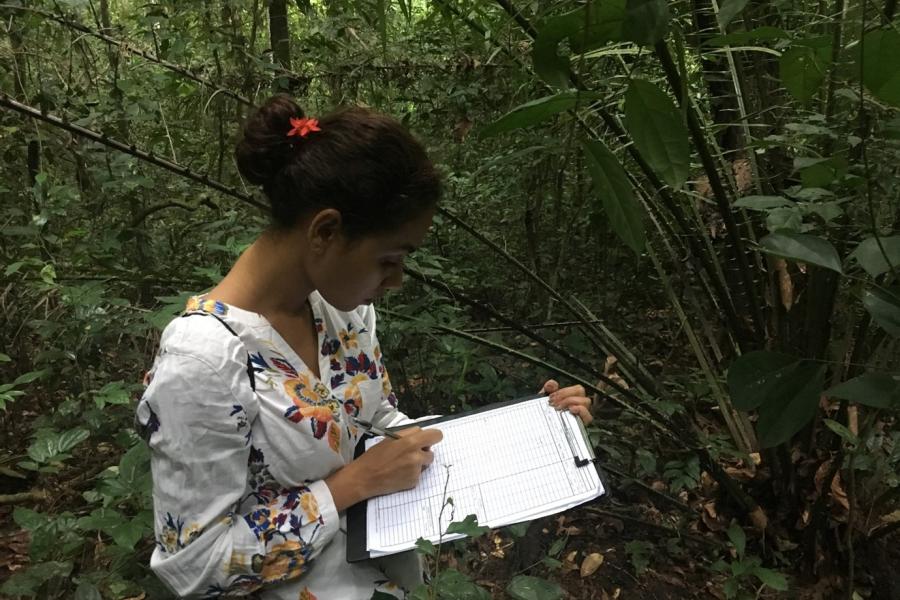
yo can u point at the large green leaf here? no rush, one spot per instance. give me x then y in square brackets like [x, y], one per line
[538, 110]
[804, 248]
[793, 404]
[884, 306]
[468, 526]
[586, 28]
[803, 67]
[127, 534]
[754, 377]
[783, 388]
[524, 587]
[50, 445]
[729, 9]
[878, 390]
[614, 191]
[658, 131]
[646, 21]
[870, 256]
[881, 69]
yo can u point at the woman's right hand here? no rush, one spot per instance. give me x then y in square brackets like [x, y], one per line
[389, 466]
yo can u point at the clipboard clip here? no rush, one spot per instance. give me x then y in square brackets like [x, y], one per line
[579, 461]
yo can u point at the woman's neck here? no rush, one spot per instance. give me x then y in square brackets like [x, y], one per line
[268, 278]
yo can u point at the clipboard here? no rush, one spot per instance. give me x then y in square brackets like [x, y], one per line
[357, 514]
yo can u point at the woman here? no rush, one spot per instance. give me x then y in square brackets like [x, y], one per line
[250, 404]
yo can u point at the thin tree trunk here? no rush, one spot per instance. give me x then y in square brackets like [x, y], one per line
[280, 38]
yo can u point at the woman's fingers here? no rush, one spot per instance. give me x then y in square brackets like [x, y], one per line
[550, 386]
[583, 412]
[573, 399]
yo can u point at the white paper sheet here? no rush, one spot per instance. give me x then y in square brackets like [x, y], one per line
[506, 465]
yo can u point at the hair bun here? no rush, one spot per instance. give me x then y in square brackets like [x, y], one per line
[264, 148]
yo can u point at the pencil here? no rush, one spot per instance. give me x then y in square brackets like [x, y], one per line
[373, 429]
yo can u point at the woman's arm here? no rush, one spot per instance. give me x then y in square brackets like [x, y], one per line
[198, 419]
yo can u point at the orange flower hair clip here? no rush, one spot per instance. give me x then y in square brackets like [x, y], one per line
[303, 127]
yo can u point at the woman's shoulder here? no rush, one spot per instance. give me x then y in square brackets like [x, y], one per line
[206, 337]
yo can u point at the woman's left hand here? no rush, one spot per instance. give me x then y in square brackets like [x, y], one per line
[572, 398]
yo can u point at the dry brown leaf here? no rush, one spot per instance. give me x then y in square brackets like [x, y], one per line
[838, 493]
[591, 563]
[785, 285]
[710, 508]
[569, 562]
[759, 519]
[853, 419]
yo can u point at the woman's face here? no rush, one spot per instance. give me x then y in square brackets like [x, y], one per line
[349, 273]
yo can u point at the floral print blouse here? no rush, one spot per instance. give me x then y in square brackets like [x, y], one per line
[242, 435]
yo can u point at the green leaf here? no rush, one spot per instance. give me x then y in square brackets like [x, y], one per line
[763, 203]
[870, 257]
[27, 583]
[611, 185]
[803, 67]
[729, 9]
[844, 433]
[784, 389]
[755, 376]
[557, 546]
[5, 357]
[793, 406]
[738, 539]
[586, 28]
[114, 392]
[29, 377]
[878, 390]
[773, 579]
[101, 519]
[127, 534]
[884, 306]
[453, 585]
[468, 526]
[646, 21]
[28, 519]
[538, 110]
[639, 555]
[425, 547]
[518, 530]
[803, 248]
[658, 131]
[879, 69]
[134, 464]
[87, 591]
[524, 587]
[52, 444]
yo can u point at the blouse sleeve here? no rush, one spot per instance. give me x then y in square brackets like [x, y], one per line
[387, 414]
[196, 414]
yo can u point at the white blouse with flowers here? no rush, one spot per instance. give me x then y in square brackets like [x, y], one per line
[242, 435]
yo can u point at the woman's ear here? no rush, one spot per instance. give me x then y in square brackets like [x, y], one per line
[324, 229]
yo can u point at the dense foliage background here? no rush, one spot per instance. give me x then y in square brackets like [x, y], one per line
[688, 207]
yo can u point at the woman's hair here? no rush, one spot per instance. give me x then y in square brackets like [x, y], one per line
[363, 163]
